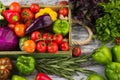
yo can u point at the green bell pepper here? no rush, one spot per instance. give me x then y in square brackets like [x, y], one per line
[25, 64]
[116, 53]
[16, 77]
[112, 71]
[21, 41]
[102, 55]
[61, 27]
[95, 77]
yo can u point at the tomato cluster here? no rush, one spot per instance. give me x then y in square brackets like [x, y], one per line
[45, 42]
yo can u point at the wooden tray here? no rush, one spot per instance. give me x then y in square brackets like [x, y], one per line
[15, 54]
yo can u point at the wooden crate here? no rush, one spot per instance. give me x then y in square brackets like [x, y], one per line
[15, 54]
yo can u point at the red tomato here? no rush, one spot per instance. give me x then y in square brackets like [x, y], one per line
[34, 7]
[57, 38]
[27, 14]
[11, 26]
[63, 3]
[41, 46]
[35, 35]
[64, 46]
[118, 41]
[76, 51]
[42, 76]
[52, 47]
[47, 37]
[63, 11]
[15, 6]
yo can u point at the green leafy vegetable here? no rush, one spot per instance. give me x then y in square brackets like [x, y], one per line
[108, 26]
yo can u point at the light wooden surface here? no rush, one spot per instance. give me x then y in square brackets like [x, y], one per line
[77, 33]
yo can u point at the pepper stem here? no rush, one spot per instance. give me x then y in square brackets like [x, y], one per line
[15, 18]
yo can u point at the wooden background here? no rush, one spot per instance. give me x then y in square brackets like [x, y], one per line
[78, 33]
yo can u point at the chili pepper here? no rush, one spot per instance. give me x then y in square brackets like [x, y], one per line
[112, 71]
[61, 27]
[25, 64]
[42, 76]
[116, 53]
[5, 68]
[103, 55]
[52, 13]
[16, 77]
[95, 77]
[11, 16]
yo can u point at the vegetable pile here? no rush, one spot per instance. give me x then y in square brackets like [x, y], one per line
[38, 29]
[110, 58]
[42, 30]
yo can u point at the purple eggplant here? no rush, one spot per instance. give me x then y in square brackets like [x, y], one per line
[43, 21]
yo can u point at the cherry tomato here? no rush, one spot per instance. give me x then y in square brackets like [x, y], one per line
[52, 47]
[11, 26]
[19, 30]
[64, 46]
[41, 46]
[15, 6]
[35, 35]
[47, 37]
[63, 3]
[27, 14]
[76, 51]
[29, 46]
[58, 38]
[63, 11]
[118, 41]
[34, 7]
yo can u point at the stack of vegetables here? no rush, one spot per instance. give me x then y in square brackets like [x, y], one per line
[34, 29]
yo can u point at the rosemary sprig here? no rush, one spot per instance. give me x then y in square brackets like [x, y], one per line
[63, 67]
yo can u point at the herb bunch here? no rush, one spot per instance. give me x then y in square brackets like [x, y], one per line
[87, 11]
[63, 67]
[108, 26]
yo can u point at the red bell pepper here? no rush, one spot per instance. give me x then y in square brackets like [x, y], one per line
[11, 16]
[42, 76]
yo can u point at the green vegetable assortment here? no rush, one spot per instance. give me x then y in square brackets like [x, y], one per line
[39, 32]
[108, 26]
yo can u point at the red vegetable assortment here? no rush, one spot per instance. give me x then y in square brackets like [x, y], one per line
[36, 22]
